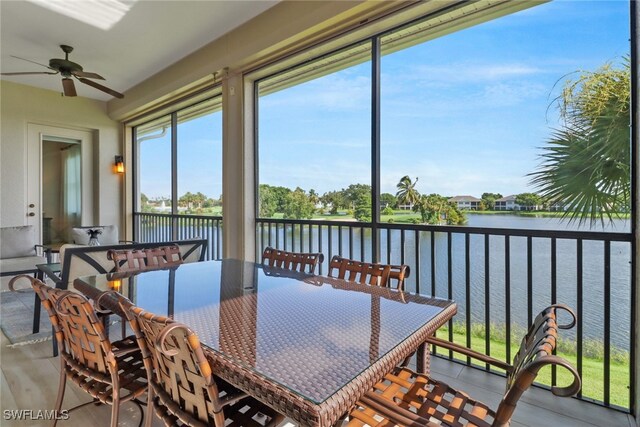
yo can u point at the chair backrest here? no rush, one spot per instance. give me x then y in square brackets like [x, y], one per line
[536, 351]
[106, 234]
[78, 261]
[179, 373]
[128, 259]
[80, 335]
[145, 259]
[368, 273]
[296, 261]
[17, 242]
[85, 342]
[163, 257]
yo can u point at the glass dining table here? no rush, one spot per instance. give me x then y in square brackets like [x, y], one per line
[308, 346]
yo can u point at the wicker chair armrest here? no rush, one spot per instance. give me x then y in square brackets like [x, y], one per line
[97, 303]
[394, 413]
[469, 352]
[569, 390]
[13, 280]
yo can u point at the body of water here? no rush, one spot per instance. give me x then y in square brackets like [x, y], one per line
[358, 241]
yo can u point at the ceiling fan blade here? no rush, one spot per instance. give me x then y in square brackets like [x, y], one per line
[88, 75]
[33, 62]
[69, 87]
[102, 88]
[26, 72]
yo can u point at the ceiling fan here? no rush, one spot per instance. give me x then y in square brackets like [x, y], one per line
[68, 69]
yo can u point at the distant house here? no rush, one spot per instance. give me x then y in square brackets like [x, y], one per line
[558, 206]
[469, 203]
[507, 203]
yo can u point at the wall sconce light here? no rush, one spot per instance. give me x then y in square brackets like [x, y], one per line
[118, 165]
[115, 284]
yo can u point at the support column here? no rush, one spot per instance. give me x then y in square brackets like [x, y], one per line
[238, 171]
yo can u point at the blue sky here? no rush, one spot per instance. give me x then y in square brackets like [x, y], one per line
[466, 113]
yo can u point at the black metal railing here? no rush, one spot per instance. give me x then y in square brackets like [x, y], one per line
[154, 227]
[500, 279]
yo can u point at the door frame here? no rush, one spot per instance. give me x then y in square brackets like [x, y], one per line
[36, 134]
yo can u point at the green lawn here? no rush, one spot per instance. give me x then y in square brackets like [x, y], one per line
[592, 368]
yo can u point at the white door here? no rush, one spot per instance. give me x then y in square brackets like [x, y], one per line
[36, 134]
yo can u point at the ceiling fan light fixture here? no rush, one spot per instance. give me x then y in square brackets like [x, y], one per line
[102, 14]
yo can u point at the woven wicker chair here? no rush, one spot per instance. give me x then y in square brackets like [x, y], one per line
[404, 397]
[183, 390]
[101, 368]
[367, 273]
[296, 261]
[145, 259]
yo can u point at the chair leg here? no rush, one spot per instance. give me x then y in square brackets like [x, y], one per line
[54, 342]
[115, 411]
[123, 325]
[149, 415]
[36, 314]
[61, 388]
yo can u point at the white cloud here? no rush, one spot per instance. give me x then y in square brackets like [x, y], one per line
[337, 92]
[469, 73]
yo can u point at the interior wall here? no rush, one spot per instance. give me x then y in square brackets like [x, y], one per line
[21, 105]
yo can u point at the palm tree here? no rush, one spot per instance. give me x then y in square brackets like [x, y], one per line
[586, 163]
[407, 193]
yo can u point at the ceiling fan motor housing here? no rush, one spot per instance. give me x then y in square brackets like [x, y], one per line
[65, 66]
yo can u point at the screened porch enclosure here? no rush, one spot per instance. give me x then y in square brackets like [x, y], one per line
[336, 131]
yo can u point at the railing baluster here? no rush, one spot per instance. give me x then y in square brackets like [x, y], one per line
[467, 281]
[579, 310]
[416, 236]
[320, 246]
[554, 296]
[450, 283]
[433, 264]
[302, 238]
[529, 280]
[487, 300]
[351, 242]
[507, 295]
[388, 246]
[607, 321]
[330, 241]
[402, 242]
[362, 244]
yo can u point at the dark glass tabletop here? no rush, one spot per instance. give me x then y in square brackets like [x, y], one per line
[309, 334]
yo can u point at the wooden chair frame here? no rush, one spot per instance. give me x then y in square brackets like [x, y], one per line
[99, 367]
[407, 398]
[182, 387]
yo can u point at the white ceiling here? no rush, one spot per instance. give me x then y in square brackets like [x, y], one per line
[151, 36]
